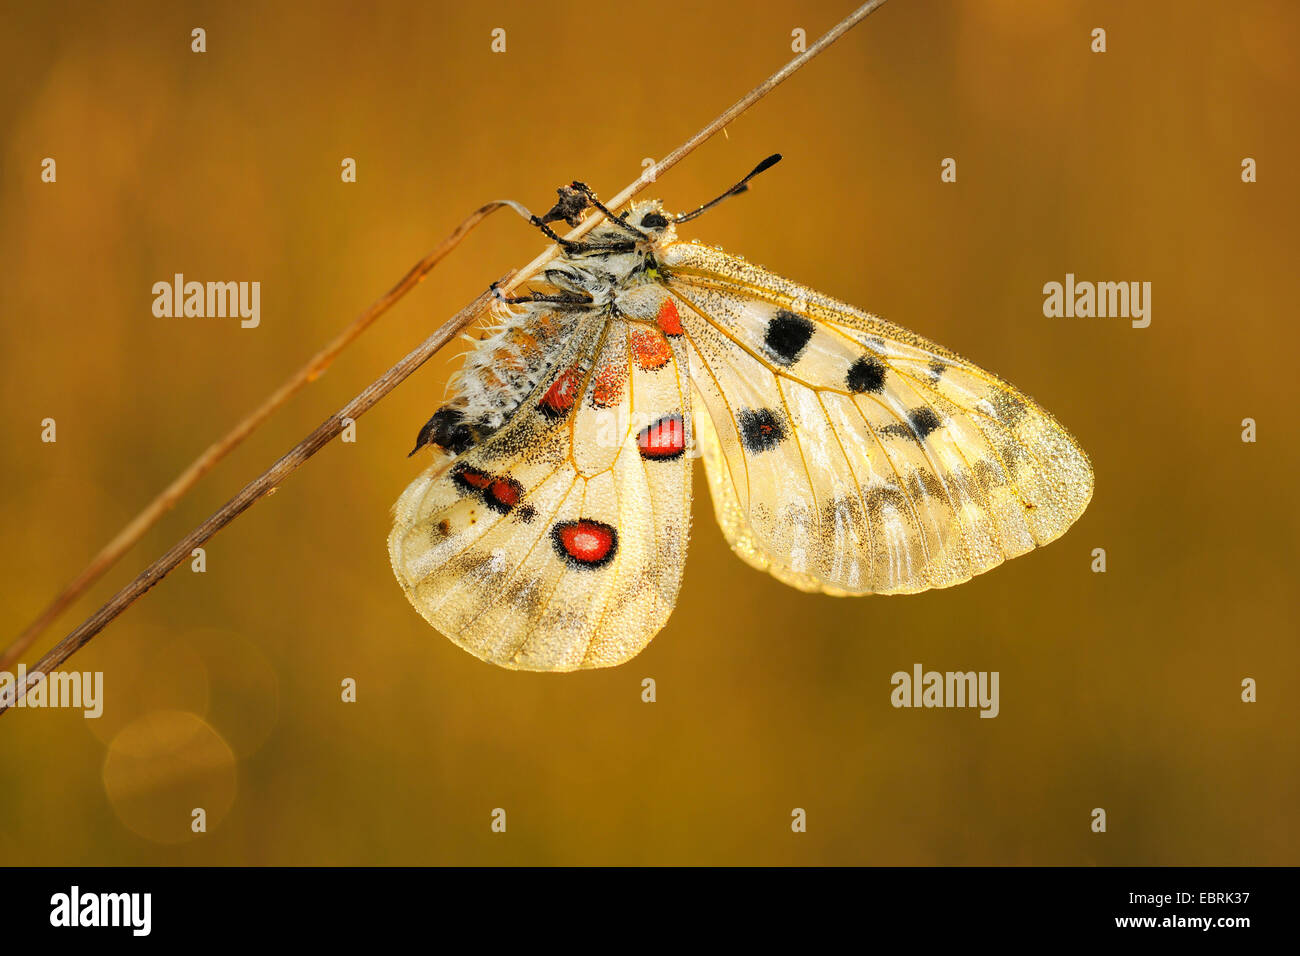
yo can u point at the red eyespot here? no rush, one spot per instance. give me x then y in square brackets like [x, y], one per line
[663, 440]
[559, 398]
[471, 478]
[669, 321]
[585, 543]
[505, 492]
[499, 494]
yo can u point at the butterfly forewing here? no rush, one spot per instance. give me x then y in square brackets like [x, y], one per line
[848, 455]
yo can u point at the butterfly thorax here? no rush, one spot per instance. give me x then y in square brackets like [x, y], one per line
[616, 258]
[614, 272]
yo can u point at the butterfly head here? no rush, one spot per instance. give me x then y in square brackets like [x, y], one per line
[649, 216]
[655, 224]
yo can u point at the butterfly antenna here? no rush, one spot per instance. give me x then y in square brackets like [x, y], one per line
[735, 190]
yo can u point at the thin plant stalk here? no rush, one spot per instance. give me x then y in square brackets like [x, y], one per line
[270, 479]
[135, 529]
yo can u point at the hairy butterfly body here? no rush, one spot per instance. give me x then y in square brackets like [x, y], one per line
[844, 454]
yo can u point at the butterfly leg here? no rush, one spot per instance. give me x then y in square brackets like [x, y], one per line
[573, 202]
[570, 207]
[563, 298]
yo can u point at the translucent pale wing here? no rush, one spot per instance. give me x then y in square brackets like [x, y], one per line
[558, 542]
[850, 456]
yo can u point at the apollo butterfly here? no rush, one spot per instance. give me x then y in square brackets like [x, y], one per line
[845, 455]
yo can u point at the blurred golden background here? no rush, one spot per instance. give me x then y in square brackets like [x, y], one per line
[1118, 690]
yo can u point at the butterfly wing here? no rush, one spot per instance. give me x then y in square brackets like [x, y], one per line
[851, 456]
[558, 542]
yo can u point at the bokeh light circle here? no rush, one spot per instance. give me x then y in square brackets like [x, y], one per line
[161, 767]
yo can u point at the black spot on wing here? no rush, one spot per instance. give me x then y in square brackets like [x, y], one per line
[923, 420]
[867, 374]
[760, 429]
[921, 423]
[787, 334]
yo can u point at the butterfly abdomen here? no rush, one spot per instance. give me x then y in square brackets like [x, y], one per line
[511, 359]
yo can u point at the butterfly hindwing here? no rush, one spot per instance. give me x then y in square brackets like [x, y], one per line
[558, 542]
[848, 455]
